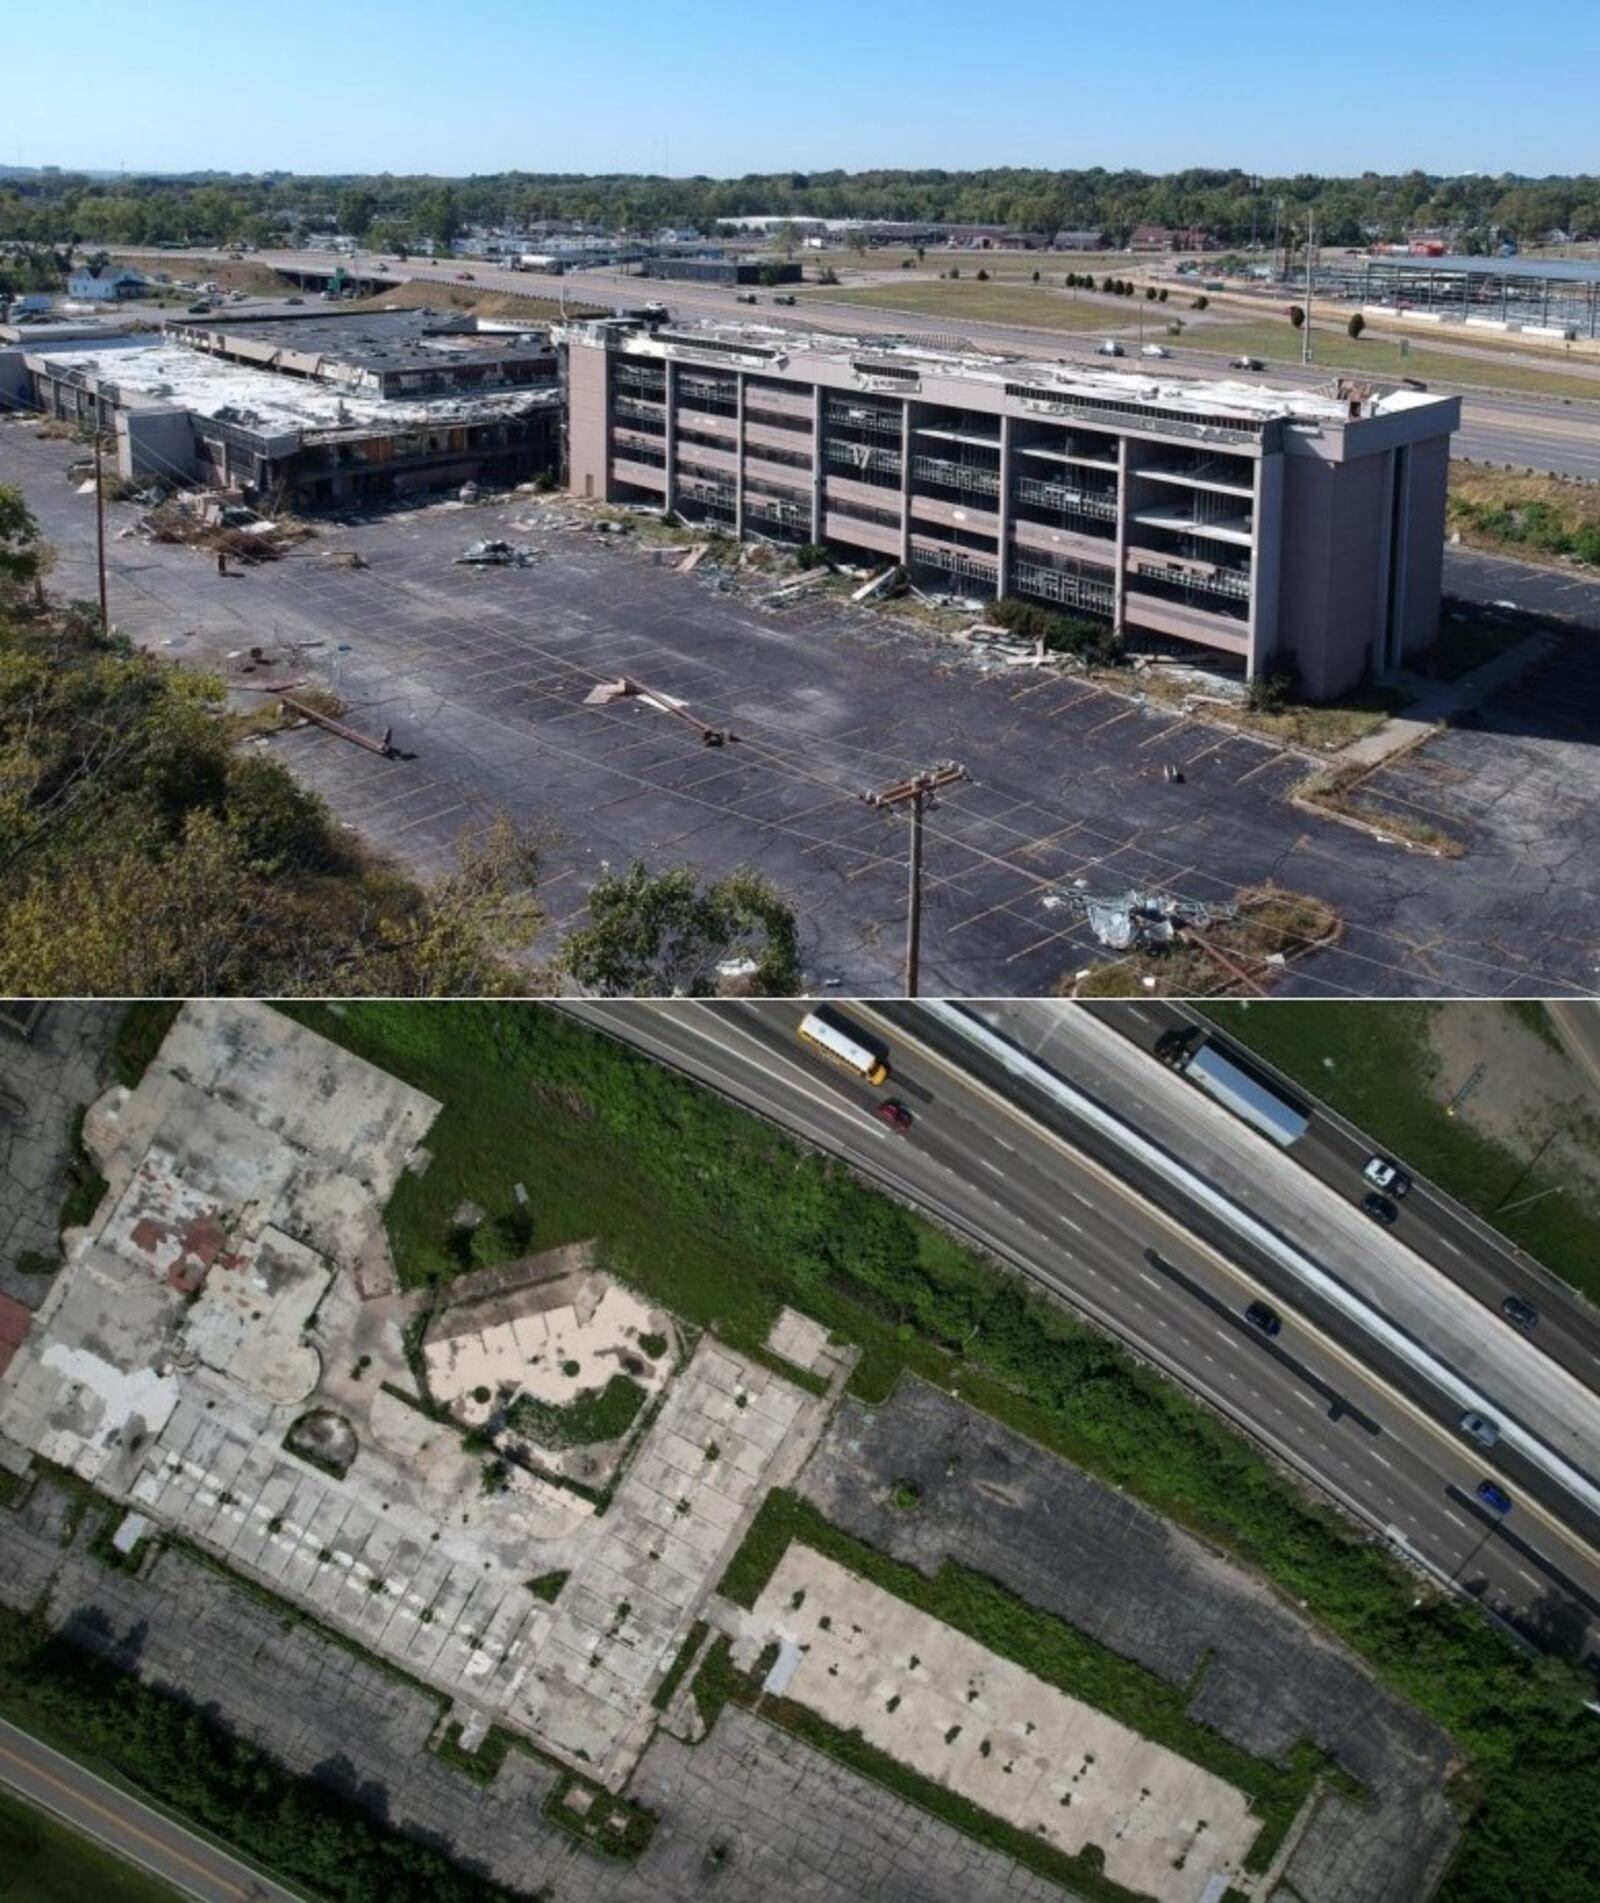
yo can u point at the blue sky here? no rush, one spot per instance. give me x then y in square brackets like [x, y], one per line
[711, 86]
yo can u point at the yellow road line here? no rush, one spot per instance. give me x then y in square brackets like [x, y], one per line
[1334, 1350]
[117, 1821]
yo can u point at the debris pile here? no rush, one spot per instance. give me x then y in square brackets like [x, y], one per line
[497, 554]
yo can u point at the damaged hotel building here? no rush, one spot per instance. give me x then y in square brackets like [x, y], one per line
[1266, 524]
[308, 411]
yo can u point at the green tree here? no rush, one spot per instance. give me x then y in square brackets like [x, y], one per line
[663, 935]
[357, 209]
[24, 559]
[1356, 325]
[1297, 316]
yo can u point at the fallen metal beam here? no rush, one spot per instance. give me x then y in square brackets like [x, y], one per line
[383, 746]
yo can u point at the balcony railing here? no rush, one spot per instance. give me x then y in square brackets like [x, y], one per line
[861, 416]
[973, 477]
[1234, 583]
[954, 561]
[1066, 499]
[1059, 584]
[863, 457]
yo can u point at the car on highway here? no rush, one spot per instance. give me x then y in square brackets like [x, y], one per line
[1110, 348]
[1154, 350]
[655, 308]
[1492, 1497]
[746, 297]
[783, 297]
[1245, 363]
[1266, 1319]
[466, 277]
[202, 309]
[894, 1114]
[1479, 1427]
[1380, 1209]
[294, 300]
[1518, 1312]
[1387, 1176]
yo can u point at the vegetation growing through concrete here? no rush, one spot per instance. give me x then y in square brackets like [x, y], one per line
[719, 1682]
[722, 1218]
[1051, 1649]
[613, 1825]
[1269, 924]
[593, 1416]
[481, 1764]
[548, 1586]
[667, 1690]
[300, 1829]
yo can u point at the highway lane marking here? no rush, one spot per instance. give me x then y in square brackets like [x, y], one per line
[993, 1168]
[1444, 1441]
[1148, 1278]
[117, 1822]
[1382, 1462]
[1075, 1227]
[1445, 1240]
[1455, 1519]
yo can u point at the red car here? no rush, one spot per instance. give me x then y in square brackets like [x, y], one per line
[894, 1114]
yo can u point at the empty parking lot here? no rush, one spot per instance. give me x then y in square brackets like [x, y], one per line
[482, 676]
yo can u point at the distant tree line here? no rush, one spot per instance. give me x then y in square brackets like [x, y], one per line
[66, 207]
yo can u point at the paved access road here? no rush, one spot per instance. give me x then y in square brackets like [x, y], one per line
[1533, 432]
[192, 1865]
[986, 1162]
[1441, 1230]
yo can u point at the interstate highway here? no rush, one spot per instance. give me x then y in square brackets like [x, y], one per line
[1527, 432]
[989, 1167]
[1438, 1228]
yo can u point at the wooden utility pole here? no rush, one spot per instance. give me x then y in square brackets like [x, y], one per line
[916, 794]
[100, 532]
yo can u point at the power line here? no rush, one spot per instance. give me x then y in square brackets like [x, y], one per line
[915, 795]
[780, 762]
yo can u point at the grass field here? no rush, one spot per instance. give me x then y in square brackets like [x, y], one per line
[1381, 1084]
[1015, 266]
[42, 1861]
[1276, 341]
[963, 299]
[432, 295]
[1536, 518]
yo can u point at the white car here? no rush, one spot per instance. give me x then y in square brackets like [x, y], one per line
[1155, 350]
[1387, 1176]
[1110, 348]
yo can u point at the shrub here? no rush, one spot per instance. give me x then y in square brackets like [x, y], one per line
[1356, 325]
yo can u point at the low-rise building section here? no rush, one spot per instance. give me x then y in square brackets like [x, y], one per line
[308, 411]
[1265, 524]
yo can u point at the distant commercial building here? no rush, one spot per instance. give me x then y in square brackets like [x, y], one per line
[1258, 523]
[1168, 238]
[309, 411]
[106, 284]
[1542, 295]
[723, 270]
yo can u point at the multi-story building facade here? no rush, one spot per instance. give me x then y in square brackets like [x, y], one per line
[1264, 524]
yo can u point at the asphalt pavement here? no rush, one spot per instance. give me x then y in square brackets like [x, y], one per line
[1437, 1227]
[132, 1829]
[983, 1161]
[1551, 433]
